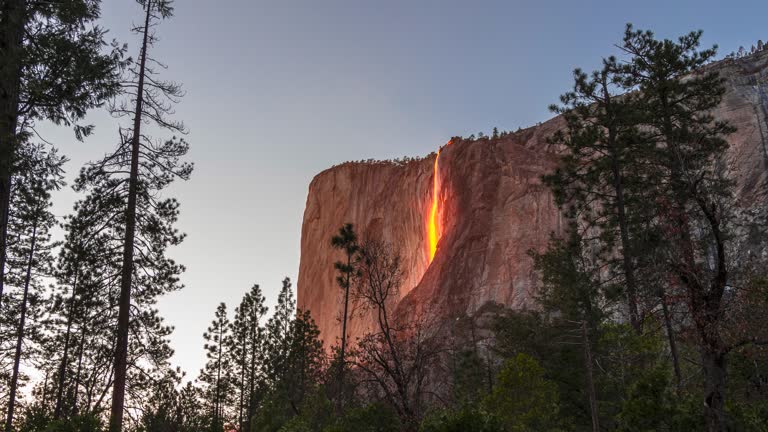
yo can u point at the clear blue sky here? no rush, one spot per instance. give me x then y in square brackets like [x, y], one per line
[280, 90]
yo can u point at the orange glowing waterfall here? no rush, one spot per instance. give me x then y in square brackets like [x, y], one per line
[434, 228]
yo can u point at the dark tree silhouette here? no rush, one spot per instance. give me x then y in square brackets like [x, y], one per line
[345, 240]
[149, 165]
[53, 69]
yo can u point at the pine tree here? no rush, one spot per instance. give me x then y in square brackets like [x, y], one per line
[293, 363]
[572, 292]
[161, 410]
[217, 374]
[100, 220]
[30, 259]
[693, 198]
[191, 412]
[53, 69]
[601, 179]
[81, 320]
[78, 257]
[136, 171]
[305, 359]
[255, 347]
[239, 353]
[278, 335]
[345, 240]
[247, 352]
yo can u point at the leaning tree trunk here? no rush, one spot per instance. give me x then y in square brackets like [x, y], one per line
[123, 319]
[20, 333]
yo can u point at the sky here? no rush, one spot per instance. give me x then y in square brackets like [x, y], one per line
[280, 90]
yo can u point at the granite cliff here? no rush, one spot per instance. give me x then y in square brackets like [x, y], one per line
[490, 209]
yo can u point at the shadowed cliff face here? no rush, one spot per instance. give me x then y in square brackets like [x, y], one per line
[492, 209]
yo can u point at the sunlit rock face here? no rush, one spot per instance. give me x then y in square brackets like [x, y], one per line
[386, 201]
[491, 209]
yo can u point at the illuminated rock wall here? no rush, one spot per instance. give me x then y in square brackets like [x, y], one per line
[492, 209]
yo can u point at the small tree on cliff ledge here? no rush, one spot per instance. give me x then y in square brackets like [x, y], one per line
[346, 240]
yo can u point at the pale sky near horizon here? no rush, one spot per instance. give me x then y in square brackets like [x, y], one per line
[279, 90]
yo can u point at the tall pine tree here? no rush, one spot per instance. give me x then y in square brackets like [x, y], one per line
[134, 174]
[345, 240]
[30, 258]
[218, 373]
[54, 68]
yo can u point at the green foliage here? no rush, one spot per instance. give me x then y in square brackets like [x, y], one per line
[625, 359]
[569, 288]
[752, 417]
[470, 377]
[557, 347]
[523, 399]
[370, 418]
[316, 412]
[80, 423]
[38, 421]
[274, 413]
[651, 405]
[64, 71]
[466, 419]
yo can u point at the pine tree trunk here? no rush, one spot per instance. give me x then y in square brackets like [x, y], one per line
[590, 379]
[65, 353]
[20, 333]
[13, 19]
[123, 320]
